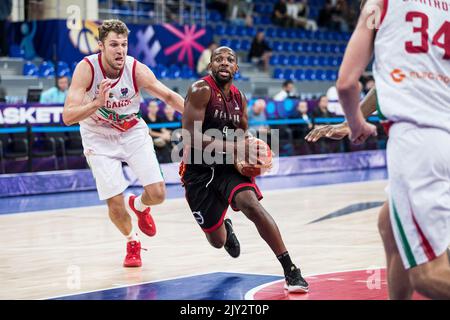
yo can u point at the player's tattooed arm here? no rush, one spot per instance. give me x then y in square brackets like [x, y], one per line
[74, 111]
[194, 114]
[341, 130]
[146, 80]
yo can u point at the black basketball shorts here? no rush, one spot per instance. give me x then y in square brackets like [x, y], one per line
[210, 190]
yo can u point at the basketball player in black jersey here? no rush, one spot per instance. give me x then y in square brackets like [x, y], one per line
[215, 103]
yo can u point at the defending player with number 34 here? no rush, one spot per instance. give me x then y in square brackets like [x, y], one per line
[104, 98]
[216, 104]
[413, 37]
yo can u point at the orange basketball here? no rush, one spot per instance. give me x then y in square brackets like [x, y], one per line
[264, 161]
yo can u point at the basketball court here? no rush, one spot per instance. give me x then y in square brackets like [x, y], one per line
[63, 246]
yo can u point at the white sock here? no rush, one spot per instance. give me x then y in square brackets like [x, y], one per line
[138, 204]
[133, 236]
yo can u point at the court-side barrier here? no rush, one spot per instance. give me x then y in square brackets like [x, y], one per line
[82, 180]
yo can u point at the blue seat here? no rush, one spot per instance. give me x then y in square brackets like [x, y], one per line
[301, 34]
[334, 48]
[251, 31]
[283, 60]
[317, 47]
[278, 73]
[292, 33]
[274, 60]
[298, 47]
[230, 31]
[309, 47]
[287, 46]
[299, 75]
[322, 61]
[281, 33]
[331, 75]
[342, 48]
[310, 75]
[46, 69]
[225, 42]
[266, 20]
[271, 32]
[277, 46]
[220, 30]
[29, 69]
[235, 44]
[293, 60]
[245, 45]
[187, 74]
[303, 61]
[315, 61]
[320, 75]
[63, 69]
[289, 74]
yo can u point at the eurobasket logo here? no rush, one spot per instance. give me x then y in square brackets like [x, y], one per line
[86, 38]
[398, 75]
[82, 34]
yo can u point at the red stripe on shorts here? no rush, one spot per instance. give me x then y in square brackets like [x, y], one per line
[429, 252]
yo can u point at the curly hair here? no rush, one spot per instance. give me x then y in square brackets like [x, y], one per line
[112, 25]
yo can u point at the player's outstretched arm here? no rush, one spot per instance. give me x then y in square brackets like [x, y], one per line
[146, 80]
[341, 130]
[357, 56]
[74, 111]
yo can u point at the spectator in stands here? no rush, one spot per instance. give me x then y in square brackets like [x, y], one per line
[341, 16]
[205, 57]
[260, 52]
[321, 111]
[324, 18]
[2, 92]
[303, 113]
[280, 16]
[56, 94]
[334, 106]
[257, 113]
[287, 91]
[161, 136]
[299, 13]
[241, 12]
[219, 5]
[5, 16]
[331, 16]
[369, 83]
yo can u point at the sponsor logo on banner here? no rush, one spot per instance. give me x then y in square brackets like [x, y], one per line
[23, 115]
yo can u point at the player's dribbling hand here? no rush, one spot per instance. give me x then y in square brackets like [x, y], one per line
[103, 92]
[360, 133]
[336, 132]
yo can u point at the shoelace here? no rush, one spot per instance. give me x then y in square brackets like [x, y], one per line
[134, 249]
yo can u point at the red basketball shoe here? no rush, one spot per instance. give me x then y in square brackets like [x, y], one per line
[133, 258]
[145, 219]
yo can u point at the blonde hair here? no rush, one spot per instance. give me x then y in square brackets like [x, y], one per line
[112, 25]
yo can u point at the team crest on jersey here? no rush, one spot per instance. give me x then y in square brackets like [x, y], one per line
[124, 92]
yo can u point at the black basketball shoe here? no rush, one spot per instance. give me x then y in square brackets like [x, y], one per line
[295, 281]
[232, 245]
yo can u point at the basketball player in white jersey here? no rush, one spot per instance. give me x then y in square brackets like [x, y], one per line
[412, 69]
[104, 98]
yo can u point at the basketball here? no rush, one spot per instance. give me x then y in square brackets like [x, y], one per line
[263, 160]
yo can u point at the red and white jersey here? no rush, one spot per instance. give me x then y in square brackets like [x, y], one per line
[412, 62]
[121, 110]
